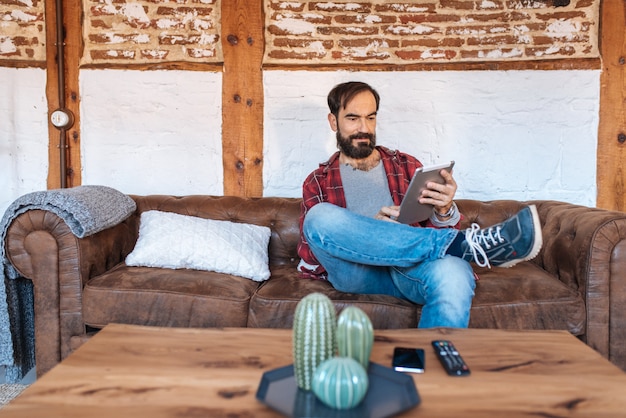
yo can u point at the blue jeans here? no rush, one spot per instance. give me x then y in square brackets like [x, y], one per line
[369, 256]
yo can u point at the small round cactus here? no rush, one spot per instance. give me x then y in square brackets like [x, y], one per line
[355, 335]
[340, 382]
[314, 327]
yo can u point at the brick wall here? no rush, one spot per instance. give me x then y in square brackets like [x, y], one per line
[146, 31]
[319, 32]
[423, 31]
[22, 30]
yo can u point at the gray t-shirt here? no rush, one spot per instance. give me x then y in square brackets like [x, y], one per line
[365, 191]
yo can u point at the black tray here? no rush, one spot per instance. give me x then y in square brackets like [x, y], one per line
[388, 394]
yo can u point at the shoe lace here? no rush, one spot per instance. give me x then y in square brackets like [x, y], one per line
[478, 238]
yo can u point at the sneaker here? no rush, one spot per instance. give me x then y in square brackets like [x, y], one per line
[515, 240]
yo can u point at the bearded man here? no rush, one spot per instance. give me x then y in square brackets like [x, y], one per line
[349, 234]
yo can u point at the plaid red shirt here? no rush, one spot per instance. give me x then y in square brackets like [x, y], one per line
[324, 185]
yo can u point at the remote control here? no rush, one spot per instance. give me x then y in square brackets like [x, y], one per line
[450, 358]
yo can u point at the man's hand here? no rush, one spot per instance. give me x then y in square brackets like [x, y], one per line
[388, 213]
[441, 196]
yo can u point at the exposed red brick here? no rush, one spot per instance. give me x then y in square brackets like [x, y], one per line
[580, 4]
[433, 42]
[346, 56]
[201, 53]
[467, 30]
[168, 23]
[338, 31]
[458, 4]
[365, 19]
[171, 11]
[508, 17]
[100, 23]
[29, 18]
[532, 26]
[490, 5]
[492, 40]
[17, 3]
[201, 24]
[24, 41]
[348, 30]
[105, 39]
[181, 39]
[286, 6]
[301, 43]
[540, 52]
[318, 19]
[400, 8]
[362, 43]
[526, 4]
[429, 18]
[101, 11]
[411, 30]
[413, 55]
[560, 15]
[111, 54]
[154, 54]
[550, 40]
[11, 54]
[310, 17]
[331, 7]
[290, 55]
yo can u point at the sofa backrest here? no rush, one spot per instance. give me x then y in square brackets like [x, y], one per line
[281, 215]
[487, 213]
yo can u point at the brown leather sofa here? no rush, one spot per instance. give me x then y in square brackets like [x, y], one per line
[576, 283]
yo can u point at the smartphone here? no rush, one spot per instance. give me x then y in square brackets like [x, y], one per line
[408, 359]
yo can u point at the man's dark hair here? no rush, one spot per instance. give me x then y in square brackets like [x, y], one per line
[341, 95]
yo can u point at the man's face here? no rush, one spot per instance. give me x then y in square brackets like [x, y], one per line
[356, 126]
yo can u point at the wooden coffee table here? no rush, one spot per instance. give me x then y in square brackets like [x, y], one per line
[132, 371]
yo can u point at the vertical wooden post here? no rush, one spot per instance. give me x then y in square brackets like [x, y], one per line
[242, 97]
[611, 169]
[72, 10]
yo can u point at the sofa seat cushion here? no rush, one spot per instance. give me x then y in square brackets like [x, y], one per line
[167, 297]
[525, 297]
[274, 303]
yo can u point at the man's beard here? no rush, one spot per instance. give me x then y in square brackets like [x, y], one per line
[361, 150]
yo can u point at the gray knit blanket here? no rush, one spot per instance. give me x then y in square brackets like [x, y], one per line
[86, 210]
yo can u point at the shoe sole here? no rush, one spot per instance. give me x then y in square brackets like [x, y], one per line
[537, 244]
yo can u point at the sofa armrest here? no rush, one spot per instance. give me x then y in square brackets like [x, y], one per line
[586, 249]
[583, 247]
[41, 247]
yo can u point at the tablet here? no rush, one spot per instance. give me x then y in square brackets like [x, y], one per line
[412, 211]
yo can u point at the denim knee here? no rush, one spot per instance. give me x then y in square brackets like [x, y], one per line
[321, 217]
[453, 275]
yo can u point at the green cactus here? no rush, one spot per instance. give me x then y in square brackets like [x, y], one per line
[340, 382]
[314, 327]
[355, 335]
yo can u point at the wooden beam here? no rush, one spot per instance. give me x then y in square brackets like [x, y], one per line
[71, 28]
[548, 65]
[242, 97]
[611, 170]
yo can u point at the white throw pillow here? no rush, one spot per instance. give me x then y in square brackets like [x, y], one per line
[170, 240]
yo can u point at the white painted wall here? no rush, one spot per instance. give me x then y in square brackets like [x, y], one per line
[152, 132]
[514, 134]
[23, 133]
